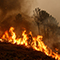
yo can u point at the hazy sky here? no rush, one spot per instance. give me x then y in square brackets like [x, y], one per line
[27, 7]
[51, 6]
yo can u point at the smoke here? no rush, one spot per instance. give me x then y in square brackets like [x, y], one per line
[9, 7]
[17, 6]
[48, 27]
[53, 8]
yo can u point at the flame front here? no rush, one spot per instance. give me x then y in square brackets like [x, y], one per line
[29, 41]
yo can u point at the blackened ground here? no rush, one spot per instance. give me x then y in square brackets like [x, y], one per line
[14, 52]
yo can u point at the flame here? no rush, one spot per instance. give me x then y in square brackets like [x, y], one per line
[29, 41]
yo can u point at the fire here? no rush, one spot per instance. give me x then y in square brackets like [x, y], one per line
[29, 41]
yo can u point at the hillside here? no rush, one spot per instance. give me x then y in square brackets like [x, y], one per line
[14, 52]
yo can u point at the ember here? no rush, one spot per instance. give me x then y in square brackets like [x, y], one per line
[29, 41]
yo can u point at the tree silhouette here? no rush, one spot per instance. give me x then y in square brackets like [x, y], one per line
[39, 17]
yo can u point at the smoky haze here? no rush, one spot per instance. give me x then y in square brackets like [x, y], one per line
[7, 6]
[27, 7]
[51, 6]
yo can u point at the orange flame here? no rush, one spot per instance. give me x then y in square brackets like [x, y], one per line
[29, 41]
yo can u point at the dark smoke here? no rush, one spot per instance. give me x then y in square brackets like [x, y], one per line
[7, 6]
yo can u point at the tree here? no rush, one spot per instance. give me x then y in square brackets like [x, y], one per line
[49, 23]
[40, 16]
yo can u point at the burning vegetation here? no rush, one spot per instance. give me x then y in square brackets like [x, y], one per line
[21, 30]
[29, 41]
